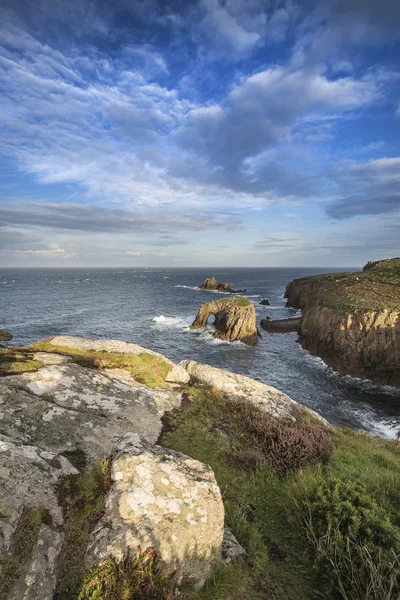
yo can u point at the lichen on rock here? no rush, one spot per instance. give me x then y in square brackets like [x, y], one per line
[165, 500]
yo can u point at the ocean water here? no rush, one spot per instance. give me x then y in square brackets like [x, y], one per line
[155, 308]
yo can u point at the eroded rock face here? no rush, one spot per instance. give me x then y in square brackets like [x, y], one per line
[281, 325]
[269, 399]
[5, 336]
[234, 321]
[165, 500]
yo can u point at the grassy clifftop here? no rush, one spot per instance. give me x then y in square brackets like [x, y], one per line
[376, 288]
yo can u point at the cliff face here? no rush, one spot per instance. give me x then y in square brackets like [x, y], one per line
[352, 321]
[235, 319]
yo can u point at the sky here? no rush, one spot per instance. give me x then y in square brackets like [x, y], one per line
[258, 133]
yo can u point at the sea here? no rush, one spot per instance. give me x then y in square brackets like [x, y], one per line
[155, 307]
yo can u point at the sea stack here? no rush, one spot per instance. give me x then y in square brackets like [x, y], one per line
[213, 285]
[235, 319]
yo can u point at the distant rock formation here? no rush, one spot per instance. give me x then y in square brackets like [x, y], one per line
[5, 336]
[387, 263]
[281, 325]
[265, 302]
[235, 319]
[212, 284]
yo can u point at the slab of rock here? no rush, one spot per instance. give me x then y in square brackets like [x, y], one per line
[281, 325]
[231, 549]
[162, 499]
[233, 320]
[5, 336]
[266, 397]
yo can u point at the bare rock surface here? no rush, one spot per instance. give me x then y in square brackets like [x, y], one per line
[266, 397]
[281, 325]
[162, 499]
[231, 549]
[235, 319]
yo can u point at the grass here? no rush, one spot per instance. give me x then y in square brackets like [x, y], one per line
[261, 507]
[239, 300]
[145, 368]
[14, 361]
[375, 289]
[82, 499]
[22, 544]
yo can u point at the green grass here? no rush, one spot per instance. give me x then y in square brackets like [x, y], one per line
[239, 300]
[144, 368]
[376, 289]
[14, 361]
[261, 507]
[82, 499]
[22, 543]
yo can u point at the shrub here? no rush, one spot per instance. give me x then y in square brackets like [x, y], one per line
[288, 447]
[353, 542]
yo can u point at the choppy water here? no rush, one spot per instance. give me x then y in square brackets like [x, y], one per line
[112, 303]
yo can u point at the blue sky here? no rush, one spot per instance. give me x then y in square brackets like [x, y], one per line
[207, 132]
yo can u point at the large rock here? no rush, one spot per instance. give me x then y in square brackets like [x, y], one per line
[235, 319]
[165, 500]
[5, 336]
[269, 399]
[213, 285]
[48, 420]
[281, 325]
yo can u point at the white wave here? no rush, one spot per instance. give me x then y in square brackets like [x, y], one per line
[170, 321]
[166, 277]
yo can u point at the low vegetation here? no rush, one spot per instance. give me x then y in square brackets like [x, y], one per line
[144, 368]
[377, 288]
[82, 499]
[14, 361]
[326, 527]
[239, 300]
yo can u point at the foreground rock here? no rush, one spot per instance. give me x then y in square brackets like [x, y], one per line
[59, 419]
[212, 284]
[5, 336]
[235, 319]
[281, 325]
[266, 397]
[352, 320]
[165, 500]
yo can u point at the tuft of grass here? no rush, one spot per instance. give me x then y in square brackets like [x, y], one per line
[14, 361]
[132, 578]
[145, 368]
[261, 506]
[82, 500]
[22, 544]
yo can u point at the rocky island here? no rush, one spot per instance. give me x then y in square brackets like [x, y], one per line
[352, 320]
[213, 285]
[235, 319]
[124, 475]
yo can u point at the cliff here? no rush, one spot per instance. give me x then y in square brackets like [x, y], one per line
[235, 319]
[352, 320]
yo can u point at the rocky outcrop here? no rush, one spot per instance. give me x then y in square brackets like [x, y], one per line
[164, 500]
[265, 302]
[266, 397]
[352, 320]
[235, 319]
[281, 325]
[5, 336]
[212, 284]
